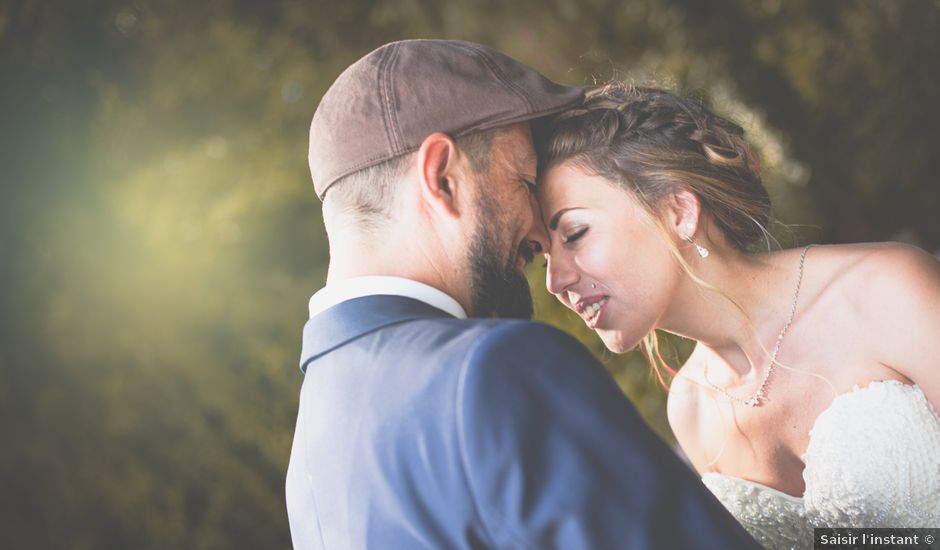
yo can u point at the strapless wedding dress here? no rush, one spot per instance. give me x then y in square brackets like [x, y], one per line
[873, 460]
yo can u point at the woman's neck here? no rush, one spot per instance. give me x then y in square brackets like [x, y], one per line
[741, 316]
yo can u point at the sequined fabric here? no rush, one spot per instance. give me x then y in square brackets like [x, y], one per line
[873, 460]
[774, 519]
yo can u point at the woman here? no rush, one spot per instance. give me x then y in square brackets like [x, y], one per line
[810, 398]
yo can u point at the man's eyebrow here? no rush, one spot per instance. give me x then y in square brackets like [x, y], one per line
[553, 223]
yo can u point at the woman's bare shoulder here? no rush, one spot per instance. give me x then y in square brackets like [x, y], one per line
[869, 255]
[684, 410]
[869, 274]
[891, 294]
[685, 387]
[881, 274]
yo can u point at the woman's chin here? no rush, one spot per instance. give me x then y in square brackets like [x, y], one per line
[617, 341]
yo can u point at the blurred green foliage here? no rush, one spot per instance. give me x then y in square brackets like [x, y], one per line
[159, 236]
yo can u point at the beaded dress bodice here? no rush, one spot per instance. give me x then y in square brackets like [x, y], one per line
[873, 460]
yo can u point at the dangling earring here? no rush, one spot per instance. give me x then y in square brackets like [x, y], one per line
[702, 251]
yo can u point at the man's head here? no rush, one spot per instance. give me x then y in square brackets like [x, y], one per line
[507, 232]
[422, 155]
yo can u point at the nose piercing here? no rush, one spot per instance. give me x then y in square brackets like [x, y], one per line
[593, 285]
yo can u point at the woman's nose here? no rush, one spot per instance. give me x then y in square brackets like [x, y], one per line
[558, 276]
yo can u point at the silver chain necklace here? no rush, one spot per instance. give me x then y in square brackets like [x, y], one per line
[759, 395]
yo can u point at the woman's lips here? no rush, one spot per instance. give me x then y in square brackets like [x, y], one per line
[592, 310]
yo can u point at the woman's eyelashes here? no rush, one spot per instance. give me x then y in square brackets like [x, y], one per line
[574, 236]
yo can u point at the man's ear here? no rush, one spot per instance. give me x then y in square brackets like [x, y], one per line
[438, 173]
[682, 211]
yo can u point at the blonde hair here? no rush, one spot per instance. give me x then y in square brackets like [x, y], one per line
[652, 143]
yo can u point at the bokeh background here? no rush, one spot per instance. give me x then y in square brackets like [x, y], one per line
[159, 235]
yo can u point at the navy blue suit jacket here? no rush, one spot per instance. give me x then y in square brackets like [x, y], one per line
[419, 430]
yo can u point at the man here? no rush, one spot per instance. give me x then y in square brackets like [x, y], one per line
[418, 427]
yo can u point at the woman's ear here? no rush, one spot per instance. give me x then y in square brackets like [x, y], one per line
[682, 212]
[437, 164]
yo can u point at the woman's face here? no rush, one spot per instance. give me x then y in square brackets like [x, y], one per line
[607, 260]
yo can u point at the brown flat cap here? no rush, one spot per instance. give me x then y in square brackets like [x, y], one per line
[388, 102]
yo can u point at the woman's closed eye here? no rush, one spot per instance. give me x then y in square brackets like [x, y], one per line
[574, 235]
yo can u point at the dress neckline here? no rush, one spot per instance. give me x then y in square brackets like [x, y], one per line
[760, 486]
[799, 500]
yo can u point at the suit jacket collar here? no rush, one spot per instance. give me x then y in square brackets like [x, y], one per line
[351, 319]
[356, 287]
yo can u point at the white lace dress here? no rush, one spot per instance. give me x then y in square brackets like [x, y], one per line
[873, 460]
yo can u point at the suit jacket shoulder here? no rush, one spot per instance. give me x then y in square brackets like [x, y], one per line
[557, 457]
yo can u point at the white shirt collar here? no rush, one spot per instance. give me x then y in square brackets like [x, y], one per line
[357, 287]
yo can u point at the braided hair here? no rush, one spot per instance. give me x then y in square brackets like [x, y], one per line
[651, 143]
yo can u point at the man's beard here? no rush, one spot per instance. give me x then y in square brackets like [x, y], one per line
[497, 289]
